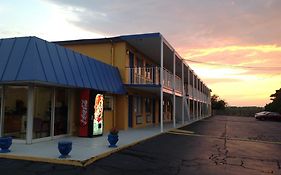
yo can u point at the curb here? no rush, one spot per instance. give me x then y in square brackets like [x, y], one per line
[79, 163]
[84, 163]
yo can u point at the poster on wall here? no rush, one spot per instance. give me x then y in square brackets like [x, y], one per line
[98, 115]
[84, 113]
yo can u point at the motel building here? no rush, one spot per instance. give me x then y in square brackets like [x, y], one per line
[86, 87]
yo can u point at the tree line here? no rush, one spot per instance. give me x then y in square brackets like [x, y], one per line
[219, 106]
[275, 105]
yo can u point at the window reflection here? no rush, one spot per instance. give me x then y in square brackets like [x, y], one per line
[15, 112]
[1, 103]
[61, 111]
[42, 112]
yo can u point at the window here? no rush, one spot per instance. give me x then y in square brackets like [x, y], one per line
[42, 112]
[139, 62]
[108, 103]
[138, 110]
[61, 111]
[1, 110]
[148, 73]
[15, 112]
[148, 105]
[138, 71]
[1, 91]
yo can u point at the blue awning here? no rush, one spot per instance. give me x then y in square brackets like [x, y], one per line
[33, 60]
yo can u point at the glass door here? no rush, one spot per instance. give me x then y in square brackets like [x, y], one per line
[15, 113]
[148, 110]
[1, 110]
[42, 112]
[61, 111]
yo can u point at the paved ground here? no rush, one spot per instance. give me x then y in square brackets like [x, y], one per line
[218, 145]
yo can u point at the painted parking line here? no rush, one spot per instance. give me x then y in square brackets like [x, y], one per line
[181, 131]
[228, 138]
[193, 134]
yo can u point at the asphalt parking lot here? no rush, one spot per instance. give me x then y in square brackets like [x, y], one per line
[217, 145]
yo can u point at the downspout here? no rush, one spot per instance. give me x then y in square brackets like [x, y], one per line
[112, 52]
[114, 97]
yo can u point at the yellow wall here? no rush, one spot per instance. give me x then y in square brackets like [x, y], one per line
[74, 111]
[108, 120]
[100, 52]
[121, 112]
[112, 54]
[116, 54]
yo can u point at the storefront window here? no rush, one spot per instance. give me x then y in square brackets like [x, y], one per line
[108, 103]
[15, 112]
[1, 91]
[42, 112]
[61, 111]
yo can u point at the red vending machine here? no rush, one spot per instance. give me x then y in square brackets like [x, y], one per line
[91, 113]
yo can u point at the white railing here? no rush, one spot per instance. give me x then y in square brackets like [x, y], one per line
[178, 86]
[143, 75]
[167, 79]
[151, 75]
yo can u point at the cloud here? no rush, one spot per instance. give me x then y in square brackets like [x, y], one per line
[186, 23]
[235, 35]
[220, 80]
[194, 53]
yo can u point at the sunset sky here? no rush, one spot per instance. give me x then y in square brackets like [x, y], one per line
[233, 45]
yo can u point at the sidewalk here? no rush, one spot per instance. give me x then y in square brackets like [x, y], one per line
[84, 150]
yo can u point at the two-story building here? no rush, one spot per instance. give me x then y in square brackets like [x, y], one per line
[152, 71]
[144, 82]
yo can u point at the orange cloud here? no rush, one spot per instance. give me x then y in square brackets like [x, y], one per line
[242, 75]
[195, 53]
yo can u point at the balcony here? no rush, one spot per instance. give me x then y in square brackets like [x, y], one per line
[151, 76]
[168, 81]
[144, 75]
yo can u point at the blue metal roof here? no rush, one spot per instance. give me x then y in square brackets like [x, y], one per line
[30, 59]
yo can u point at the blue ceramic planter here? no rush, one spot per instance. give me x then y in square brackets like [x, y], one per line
[112, 139]
[64, 148]
[5, 143]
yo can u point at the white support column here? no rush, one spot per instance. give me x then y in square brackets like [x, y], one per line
[70, 106]
[161, 83]
[200, 110]
[174, 88]
[188, 98]
[53, 106]
[30, 106]
[197, 97]
[182, 86]
[193, 95]
[197, 110]
[2, 111]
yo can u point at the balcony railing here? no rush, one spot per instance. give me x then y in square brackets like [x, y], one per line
[168, 81]
[151, 75]
[144, 75]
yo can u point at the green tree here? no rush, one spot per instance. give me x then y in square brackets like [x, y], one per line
[275, 105]
[217, 103]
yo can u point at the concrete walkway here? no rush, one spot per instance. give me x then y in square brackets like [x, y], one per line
[84, 150]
